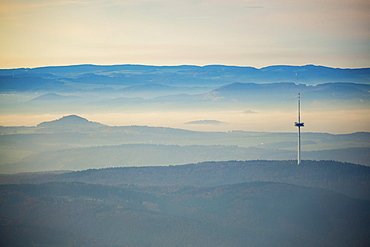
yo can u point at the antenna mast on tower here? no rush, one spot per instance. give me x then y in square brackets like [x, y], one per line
[299, 125]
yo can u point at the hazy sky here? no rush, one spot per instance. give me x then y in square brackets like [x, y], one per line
[234, 32]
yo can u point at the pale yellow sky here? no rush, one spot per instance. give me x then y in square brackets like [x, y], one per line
[233, 32]
[335, 122]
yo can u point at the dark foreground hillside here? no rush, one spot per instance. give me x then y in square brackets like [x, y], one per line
[247, 214]
[233, 203]
[349, 179]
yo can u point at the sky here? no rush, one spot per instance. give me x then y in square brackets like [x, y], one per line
[259, 33]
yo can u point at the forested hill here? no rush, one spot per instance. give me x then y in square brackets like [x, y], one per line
[350, 179]
[260, 214]
[210, 204]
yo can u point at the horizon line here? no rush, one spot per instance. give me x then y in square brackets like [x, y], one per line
[179, 65]
[153, 126]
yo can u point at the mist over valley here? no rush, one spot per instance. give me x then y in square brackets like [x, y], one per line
[334, 100]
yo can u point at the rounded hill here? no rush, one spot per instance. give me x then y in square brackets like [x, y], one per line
[70, 121]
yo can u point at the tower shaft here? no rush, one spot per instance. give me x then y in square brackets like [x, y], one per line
[299, 146]
[299, 125]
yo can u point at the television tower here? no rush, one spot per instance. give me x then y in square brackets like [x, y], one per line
[299, 125]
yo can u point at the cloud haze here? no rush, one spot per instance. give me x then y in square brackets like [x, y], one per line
[335, 122]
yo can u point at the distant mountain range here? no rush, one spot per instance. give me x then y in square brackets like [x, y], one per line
[235, 96]
[87, 86]
[45, 78]
[138, 88]
[50, 97]
[325, 92]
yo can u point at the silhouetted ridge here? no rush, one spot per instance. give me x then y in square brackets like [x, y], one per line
[70, 121]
